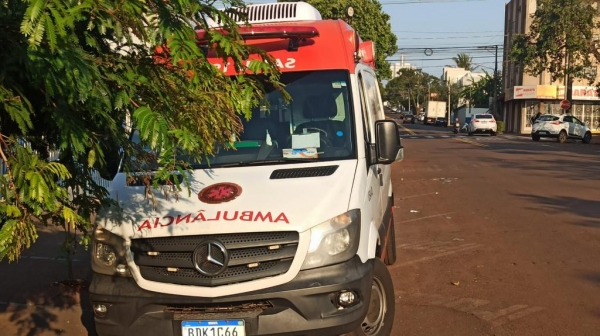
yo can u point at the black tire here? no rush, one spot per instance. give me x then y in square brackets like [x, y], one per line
[535, 137]
[382, 305]
[493, 134]
[562, 136]
[587, 138]
[390, 253]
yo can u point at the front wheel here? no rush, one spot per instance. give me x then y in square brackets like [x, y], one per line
[535, 137]
[382, 306]
[562, 137]
[587, 138]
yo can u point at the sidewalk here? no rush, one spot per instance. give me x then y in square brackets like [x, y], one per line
[595, 137]
[34, 298]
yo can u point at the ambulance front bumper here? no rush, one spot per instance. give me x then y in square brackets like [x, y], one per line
[307, 305]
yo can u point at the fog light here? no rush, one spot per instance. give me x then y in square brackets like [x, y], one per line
[121, 269]
[100, 310]
[346, 299]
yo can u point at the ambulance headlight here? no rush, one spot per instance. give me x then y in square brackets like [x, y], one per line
[108, 253]
[334, 241]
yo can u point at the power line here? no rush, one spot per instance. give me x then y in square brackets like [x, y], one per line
[447, 37]
[391, 2]
[448, 47]
[447, 32]
[441, 59]
[384, 3]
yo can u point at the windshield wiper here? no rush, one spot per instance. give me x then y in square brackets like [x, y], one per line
[264, 162]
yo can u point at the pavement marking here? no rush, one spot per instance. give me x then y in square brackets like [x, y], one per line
[472, 142]
[426, 217]
[445, 136]
[413, 196]
[424, 246]
[408, 130]
[439, 255]
[472, 306]
[414, 137]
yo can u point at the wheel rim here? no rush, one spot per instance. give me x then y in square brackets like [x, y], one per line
[373, 322]
[588, 136]
[562, 136]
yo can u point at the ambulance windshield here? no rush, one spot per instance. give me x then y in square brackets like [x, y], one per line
[315, 125]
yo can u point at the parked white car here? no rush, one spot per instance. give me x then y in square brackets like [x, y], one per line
[483, 123]
[561, 127]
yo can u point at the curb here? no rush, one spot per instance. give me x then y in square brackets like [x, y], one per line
[18, 305]
[595, 137]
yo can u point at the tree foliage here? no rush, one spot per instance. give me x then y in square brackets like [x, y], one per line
[558, 28]
[478, 93]
[75, 76]
[463, 60]
[417, 85]
[371, 22]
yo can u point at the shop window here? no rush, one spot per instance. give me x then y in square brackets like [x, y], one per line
[595, 118]
[553, 108]
[531, 109]
[578, 111]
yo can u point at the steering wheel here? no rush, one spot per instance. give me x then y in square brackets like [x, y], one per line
[323, 139]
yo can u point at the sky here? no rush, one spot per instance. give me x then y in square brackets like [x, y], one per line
[447, 27]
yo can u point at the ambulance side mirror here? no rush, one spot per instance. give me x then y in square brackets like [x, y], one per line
[388, 148]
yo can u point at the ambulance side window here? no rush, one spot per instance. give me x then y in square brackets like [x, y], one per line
[372, 93]
[365, 116]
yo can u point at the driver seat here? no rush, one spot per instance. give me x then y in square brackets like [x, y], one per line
[319, 109]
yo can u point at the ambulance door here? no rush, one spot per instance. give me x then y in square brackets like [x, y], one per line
[374, 171]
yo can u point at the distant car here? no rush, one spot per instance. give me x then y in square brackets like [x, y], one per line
[483, 123]
[441, 121]
[409, 118]
[561, 127]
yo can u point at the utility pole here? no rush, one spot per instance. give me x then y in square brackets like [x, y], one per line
[568, 83]
[495, 83]
[449, 107]
[495, 98]
[409, 99]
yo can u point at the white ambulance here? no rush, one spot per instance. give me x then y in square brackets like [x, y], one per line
[288, 234]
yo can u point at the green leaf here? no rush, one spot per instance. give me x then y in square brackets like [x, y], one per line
[91, 158]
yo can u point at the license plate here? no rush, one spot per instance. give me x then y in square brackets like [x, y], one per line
[213, 328]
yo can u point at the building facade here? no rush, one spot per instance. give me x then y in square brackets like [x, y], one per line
[525, 95]
[396, 66]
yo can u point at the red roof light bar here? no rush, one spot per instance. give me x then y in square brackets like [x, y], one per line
[259, 33]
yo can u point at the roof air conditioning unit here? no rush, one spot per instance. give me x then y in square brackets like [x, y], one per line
[270, 13]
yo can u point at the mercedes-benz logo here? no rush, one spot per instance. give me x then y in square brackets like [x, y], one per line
[210, 258]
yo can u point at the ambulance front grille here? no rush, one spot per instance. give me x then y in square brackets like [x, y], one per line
[252, 256]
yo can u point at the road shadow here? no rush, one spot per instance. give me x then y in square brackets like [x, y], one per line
[35, 298]
[588, 210]
[556, 163]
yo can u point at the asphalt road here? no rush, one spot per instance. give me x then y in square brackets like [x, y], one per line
[496, 235]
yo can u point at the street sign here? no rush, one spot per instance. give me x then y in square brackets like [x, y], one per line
[565, 104]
